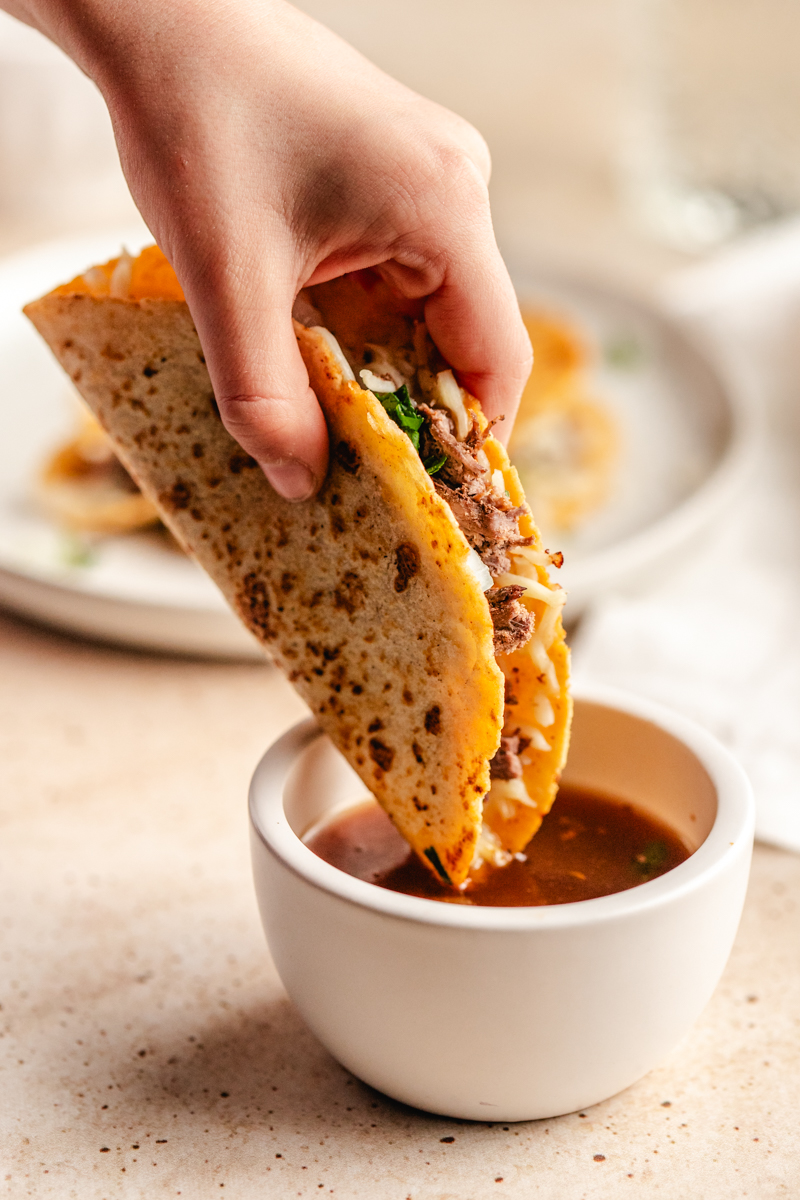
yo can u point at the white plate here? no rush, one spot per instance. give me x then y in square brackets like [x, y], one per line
[688, 441]
[131, 589]
[685, 454]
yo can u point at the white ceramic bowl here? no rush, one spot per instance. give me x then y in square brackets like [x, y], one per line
[509, 1013]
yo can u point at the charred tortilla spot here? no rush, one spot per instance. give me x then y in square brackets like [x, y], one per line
[198, 450]
[433, 720]
[357, 689]
[179, 497]
[348, 458]
[418, 805]
[337, 524]
[375, 726]
[288, 580]
[408, 697]
[433, 858]
[381, 754]
[112, 355]
[240, 461]
[254, 602]
[417, 751]
[149, 372]
[407, 559]
[349, 595]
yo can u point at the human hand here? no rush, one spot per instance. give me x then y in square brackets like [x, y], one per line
[265, 153]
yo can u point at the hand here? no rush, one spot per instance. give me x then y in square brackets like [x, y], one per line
[265, 153]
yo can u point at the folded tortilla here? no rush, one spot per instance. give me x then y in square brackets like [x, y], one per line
[422, 665]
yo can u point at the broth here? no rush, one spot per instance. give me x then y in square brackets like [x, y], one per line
[589, 845]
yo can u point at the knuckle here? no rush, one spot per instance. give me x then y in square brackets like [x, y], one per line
[256, 421]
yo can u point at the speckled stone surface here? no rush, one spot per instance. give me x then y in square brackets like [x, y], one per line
[147, 1048]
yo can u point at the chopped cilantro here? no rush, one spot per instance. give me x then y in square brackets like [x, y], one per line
[625, 352]
[76, 552]
[651, 859]
[434, 463]
[399, 407]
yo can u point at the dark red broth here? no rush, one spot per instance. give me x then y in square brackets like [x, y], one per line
[589, 845]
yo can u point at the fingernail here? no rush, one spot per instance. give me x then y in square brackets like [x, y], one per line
[291, 479]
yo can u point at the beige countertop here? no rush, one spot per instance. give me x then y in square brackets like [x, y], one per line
[148, 1049]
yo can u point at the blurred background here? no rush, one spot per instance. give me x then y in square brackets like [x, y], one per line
[623, 132]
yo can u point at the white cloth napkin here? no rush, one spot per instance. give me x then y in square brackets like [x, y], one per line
[721, 639]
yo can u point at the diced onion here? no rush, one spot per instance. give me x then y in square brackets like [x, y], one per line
[479, 569]
[120, 283]
[375, 384]
[336, 351]
[451, 397]
[498, 482]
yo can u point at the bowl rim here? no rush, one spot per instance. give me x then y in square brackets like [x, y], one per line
[730, 834]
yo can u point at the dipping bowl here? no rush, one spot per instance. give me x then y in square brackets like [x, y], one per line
[509, 1014]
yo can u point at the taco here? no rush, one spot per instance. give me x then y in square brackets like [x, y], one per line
[566, 442]
[84, 487]
[409, 602]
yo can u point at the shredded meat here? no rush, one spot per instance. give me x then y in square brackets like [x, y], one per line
[513, 623]
[489, 522]
[466, 469]
[506, 763]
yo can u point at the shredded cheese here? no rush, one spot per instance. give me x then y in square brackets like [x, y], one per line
[537, 738]
[542, 662]
[489, 848]
[543, 711]
[537, 557]
[539, 591]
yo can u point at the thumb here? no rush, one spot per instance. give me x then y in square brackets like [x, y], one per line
[260, 381]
